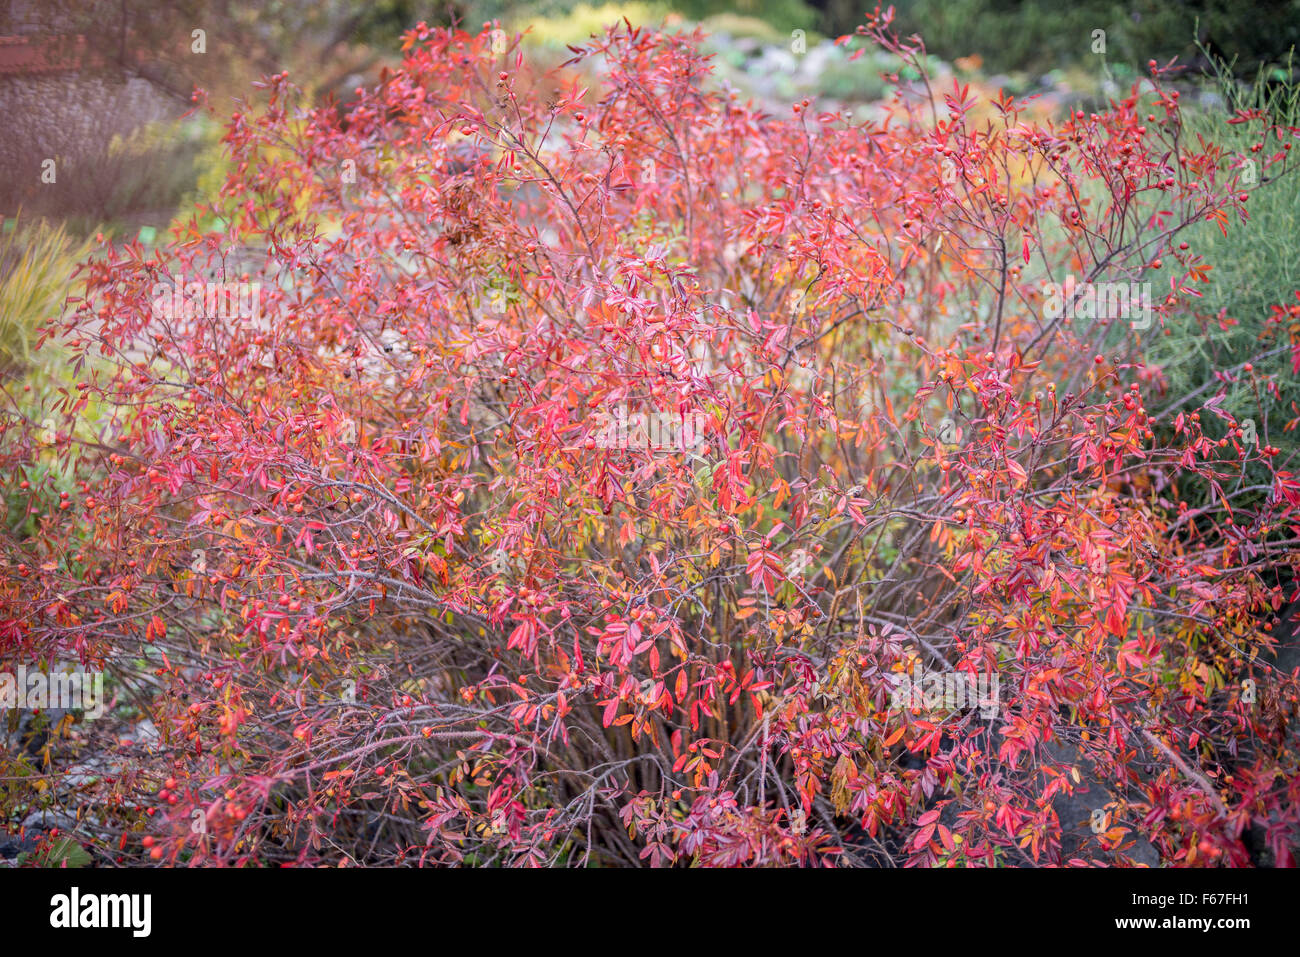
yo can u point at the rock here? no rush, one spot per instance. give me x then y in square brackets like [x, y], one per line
[11, 846]
[142, 733]
[1075, 810]
[49, 819]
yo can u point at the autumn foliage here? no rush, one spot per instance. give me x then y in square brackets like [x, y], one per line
[360, 557]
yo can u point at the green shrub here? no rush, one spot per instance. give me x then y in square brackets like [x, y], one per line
[1255, 267]
[1040, 35]
[574, 23]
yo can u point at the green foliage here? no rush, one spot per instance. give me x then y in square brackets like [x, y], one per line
[569, 21]
[739, 27]
[1041, 35]
[1255, 267]
[783, 15]
[60, 852]
[210, 167]
[574, 23]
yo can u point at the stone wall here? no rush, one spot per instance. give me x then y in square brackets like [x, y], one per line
[71, 118]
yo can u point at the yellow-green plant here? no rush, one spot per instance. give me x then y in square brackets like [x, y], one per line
[37, 262]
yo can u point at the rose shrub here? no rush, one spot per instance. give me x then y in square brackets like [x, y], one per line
[372, 559]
